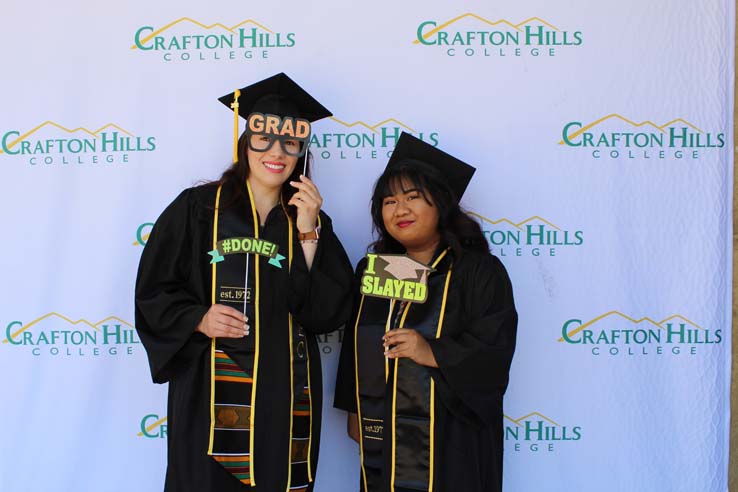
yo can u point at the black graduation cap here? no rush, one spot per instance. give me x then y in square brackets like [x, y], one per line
[457, 172]
[279, 95]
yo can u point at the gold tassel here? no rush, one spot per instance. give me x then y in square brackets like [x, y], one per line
[234, 105]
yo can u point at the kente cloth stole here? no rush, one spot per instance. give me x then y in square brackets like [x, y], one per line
[233, 396]
[410, 429]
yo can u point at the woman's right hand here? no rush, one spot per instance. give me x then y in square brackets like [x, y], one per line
[224, 322]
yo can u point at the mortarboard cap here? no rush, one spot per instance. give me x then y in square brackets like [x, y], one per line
[457, 172]
[278, 95]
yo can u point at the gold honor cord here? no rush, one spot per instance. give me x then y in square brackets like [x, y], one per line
[292, 357]
[235, 106]
[212, 341]
[433, 383]
[394, 403]
[292, 371]
[386, 329]
[358, 401]
[310, 388]
[256, 336]
[292, 386]
[397, 370]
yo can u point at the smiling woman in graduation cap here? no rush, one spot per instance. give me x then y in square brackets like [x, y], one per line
[425, 397]
[236, 279]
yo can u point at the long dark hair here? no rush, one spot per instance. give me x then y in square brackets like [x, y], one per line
[237, 174]
[457, 229]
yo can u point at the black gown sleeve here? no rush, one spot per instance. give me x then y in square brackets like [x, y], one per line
[320, 297]
[167, 308]
[345, 391]
[474, 360]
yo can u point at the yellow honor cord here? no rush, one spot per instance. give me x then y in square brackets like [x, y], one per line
[310, 387]
[292, 358]
[387, 328]
[212, 342]
[433, 385]
[234, 105]
[394, 384]
[358, 400]
[256, 336]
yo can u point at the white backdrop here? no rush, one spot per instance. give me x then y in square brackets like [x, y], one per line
[602, 136]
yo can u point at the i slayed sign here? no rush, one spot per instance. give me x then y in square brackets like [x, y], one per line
[395, 277]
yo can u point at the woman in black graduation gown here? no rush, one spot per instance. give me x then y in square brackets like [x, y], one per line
[428, 393]
[245, 383]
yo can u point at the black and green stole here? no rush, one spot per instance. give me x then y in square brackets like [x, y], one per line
[235, 362]
[395, 399]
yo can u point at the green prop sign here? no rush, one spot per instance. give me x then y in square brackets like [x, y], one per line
[246, 245]
[395, 277]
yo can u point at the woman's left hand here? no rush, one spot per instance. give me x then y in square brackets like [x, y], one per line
[308, 202]
[406, 342]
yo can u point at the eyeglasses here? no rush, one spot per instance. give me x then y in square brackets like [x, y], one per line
[261, 142]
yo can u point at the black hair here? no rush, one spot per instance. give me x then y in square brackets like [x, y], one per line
[457, 229]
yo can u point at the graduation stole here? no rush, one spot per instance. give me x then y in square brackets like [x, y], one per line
[233, 386]
[412, 419]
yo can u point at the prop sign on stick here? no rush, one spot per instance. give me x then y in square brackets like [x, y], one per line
[397, 277]
[247, 246]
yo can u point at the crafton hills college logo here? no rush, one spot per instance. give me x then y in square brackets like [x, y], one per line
[470, 35]
[186, 39]
[52, 144]
[339, 139]
[54, 334]
[616, 137]
[536, 432]
[142, 234]
[153, 427]
[534, 236]
[617, 334]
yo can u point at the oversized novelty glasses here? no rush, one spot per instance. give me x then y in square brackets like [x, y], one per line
[263, 130]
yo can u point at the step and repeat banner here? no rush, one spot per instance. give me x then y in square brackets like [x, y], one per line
[602, 137]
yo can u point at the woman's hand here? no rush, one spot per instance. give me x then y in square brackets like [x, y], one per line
[352, 426]
[405, 342]
[224, 322]
[308, 202]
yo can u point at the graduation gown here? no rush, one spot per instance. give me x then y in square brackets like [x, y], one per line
[478, 325]
[173, 293]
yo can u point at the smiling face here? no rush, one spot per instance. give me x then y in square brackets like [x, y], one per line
[271, 168]
[410, 216]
